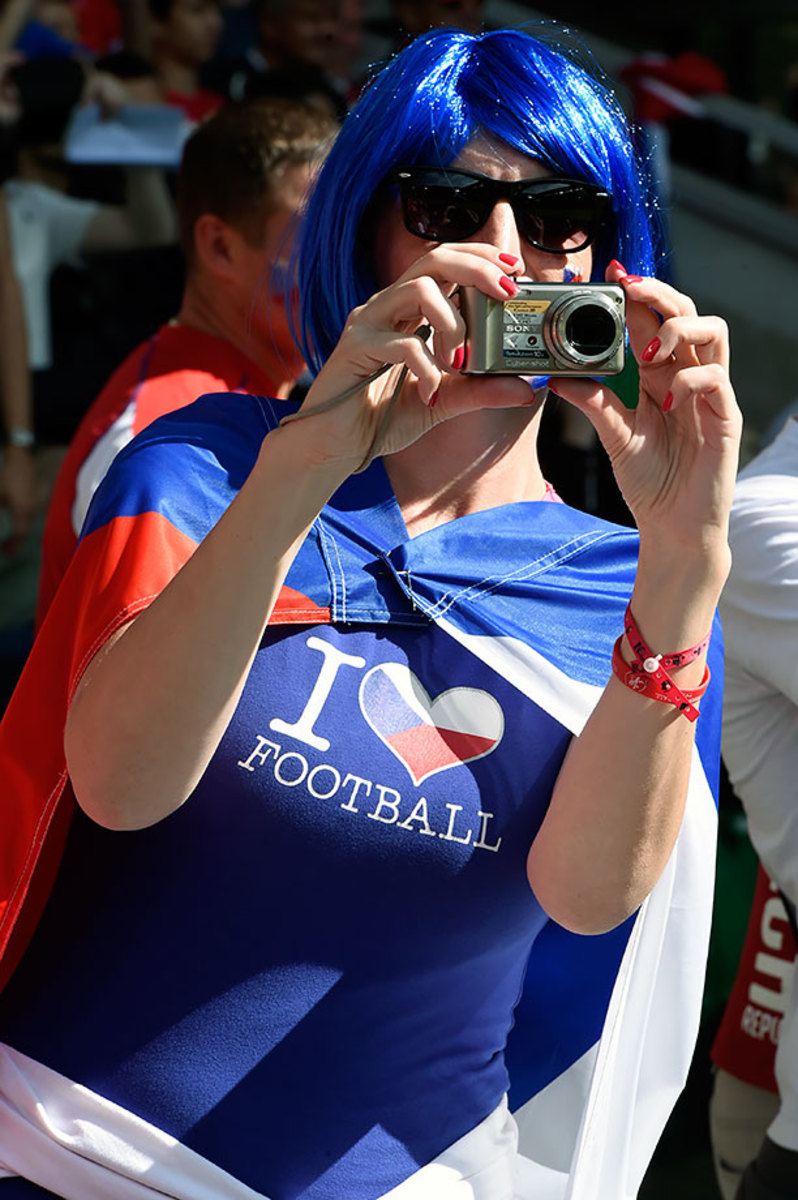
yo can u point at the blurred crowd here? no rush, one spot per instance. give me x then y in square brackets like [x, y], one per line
[97, 101]
[97, 98]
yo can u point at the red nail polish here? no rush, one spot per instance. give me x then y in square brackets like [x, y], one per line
[509, 285]
[512, 260]
[618, 266]
[433, 400]
[667, 403]
[651, 349]
[458, 358]
[632, 279]
[552, 388]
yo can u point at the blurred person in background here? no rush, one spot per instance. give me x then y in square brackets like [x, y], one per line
[39, 28]
[50, 227]
[299, 44]
[21, 493]
[60, 17]
[297, 32]
[60, 245]
[238, 30]
[407, 19]
[100, 27]
[18, 487]
[137, 75]
[759, 608]
[184, 35]
[418, 16]
[745, 1094]
[240, 189]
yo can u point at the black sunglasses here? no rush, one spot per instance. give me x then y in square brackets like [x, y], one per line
[447, 204]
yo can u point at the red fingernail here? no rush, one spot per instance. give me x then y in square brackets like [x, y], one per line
[458, 358]
[632, 279]
[509, 285]
[618, 266]
[433, 400]
[667, 403]
[512, 260]
[552, 388]
[651, 349]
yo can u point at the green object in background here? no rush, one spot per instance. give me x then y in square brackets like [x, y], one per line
[627, 384]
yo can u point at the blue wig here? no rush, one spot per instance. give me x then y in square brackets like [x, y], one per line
[425, 106]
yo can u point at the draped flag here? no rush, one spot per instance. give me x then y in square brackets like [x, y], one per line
[605, 1025]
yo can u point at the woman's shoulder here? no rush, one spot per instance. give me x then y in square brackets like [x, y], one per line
[224, 426]
[217, 417]
[188, 463]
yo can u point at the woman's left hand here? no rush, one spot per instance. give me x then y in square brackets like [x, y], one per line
[675, 459]
[675, 456]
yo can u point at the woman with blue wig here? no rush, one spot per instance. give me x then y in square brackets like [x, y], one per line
[359, 809]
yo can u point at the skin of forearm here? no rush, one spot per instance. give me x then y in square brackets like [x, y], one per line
[14, 15]
[149, 206]
[618, 803]
[136, 27]
[164, 691]
[16, 396]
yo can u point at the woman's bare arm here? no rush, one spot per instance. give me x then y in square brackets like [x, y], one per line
[619, 799]
[164, 690]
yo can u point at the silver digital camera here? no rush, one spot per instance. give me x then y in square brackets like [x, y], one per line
[547, 329]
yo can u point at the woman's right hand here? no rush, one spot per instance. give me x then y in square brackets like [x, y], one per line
[384, 331]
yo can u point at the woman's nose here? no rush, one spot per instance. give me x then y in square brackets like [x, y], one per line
[501, 230]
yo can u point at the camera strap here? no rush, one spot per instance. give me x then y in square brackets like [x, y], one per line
[375, 449]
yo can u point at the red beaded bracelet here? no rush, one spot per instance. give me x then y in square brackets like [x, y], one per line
[647, 674]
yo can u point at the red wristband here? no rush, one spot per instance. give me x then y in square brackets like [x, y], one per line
[667, 661]
[658, 686]
[647, 674]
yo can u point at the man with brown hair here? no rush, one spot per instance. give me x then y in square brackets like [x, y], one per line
[241, 185]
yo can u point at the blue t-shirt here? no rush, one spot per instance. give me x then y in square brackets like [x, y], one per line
[307, 973]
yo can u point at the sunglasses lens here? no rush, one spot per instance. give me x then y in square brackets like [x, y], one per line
[561, 220]
[442, 206]
[448, 205]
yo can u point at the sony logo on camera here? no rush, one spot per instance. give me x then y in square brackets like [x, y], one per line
[547, 329]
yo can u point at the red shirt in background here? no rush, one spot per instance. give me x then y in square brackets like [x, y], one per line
[171, 369]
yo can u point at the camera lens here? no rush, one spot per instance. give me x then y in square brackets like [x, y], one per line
[591, 331]
[584, 329]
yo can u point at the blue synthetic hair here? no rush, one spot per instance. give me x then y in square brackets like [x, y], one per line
[425, 106]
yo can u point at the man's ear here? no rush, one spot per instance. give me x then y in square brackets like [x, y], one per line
[216, 245]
